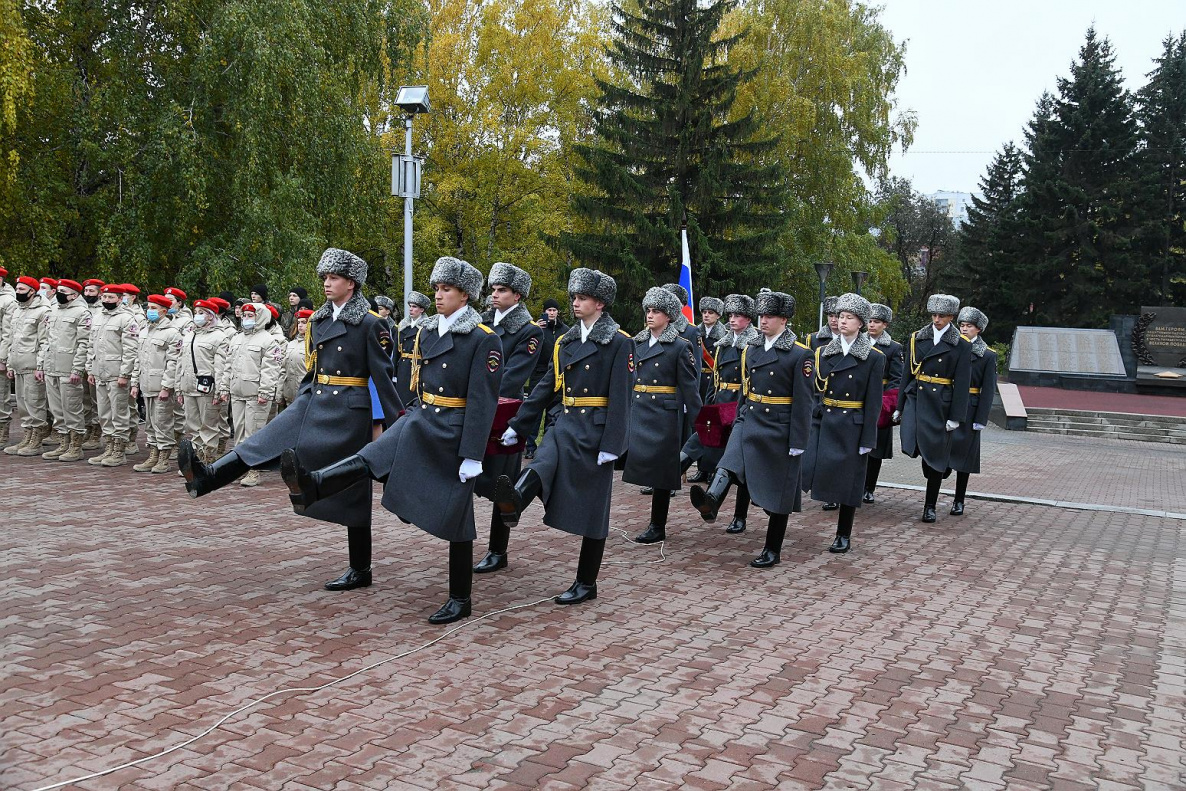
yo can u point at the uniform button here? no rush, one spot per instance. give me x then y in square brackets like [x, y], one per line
[444, 365]
[566, 411]
[656, 365]
[437, 409]
[767, 409]
[339, 348]
[582, 411]
[585, 390]
[940, 359]
[587, 367]
[636, 395]
[335, 392]
[568, 367]
[652, 398]
[318, 392]
[829, 410]
[850, 376]
[321, 346]
[338, 372]
[424, 406]
[440, 389]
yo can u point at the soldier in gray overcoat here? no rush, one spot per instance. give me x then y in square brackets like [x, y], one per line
[823, 337]
[686, 329]
[727, 389]
[521, 339]
[880, 318]
[711, 330]
[933, 399]
[592, 375]
[666, 402]
[456, 372]
[418, 305]
[772, 428]
[965, 440]
[848, 374]
[331, 416]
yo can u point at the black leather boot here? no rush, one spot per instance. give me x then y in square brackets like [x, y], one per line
[353, 578]
[202, 478]
[496, 555]
[657, 530]
[740, 511]
[461, 562]
[510, 499]
[588, 567]
[306, 487]
[708, 502]
[867, 498]
[843, 530]
[957, 508]
[928, 513]
[772, 552]
[961, 490]
[700, 476]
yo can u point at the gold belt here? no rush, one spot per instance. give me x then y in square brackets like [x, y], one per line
[730, 386]
[974, 391]
[653, 389]
[407, 356]
[591, 401]
[844, 404]
[758, 398]
[439, 400]
[935, 380]
[342, 381]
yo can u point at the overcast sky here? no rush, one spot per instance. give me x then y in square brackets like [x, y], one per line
[976, 69]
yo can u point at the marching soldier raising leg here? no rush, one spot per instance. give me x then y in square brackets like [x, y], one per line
[965, 440]
[592, 375]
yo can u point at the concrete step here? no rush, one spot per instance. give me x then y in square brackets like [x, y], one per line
[1108, 425]
[1106, 418]
[1161, 438]
[1145, 430]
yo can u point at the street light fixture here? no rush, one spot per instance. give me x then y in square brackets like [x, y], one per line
[406, 169]
[858, 280]
[823, 269]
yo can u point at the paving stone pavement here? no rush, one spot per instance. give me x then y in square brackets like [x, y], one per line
[1018, 647]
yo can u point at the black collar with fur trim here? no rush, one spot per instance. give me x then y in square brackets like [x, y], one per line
[979, 347]
[741, 340]
[784, 342]
[464, 324]
[353, 312]
[667, 336]
[601, 334]
[950, 335]
[518, 318]
[860, 347]
[883, 339]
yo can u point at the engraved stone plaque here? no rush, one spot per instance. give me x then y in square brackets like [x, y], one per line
[1068, 351]
[1160, 337]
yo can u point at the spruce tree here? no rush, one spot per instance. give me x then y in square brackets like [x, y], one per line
[666, 151]
[1161, 191]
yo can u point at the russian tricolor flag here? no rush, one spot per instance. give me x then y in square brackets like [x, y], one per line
[685, 277]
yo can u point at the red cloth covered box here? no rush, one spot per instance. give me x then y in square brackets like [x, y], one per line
[715, 423]
[889, 402]
[507, 409]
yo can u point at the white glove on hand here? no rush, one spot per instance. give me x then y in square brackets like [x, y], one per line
[952, 425]
[896, 416]
[605, 458]
[978, 427]
[469, 469]
[509, 437]
[865, 450]
[796, 452]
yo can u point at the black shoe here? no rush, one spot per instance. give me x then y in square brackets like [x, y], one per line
[452, 610]
[736, 526]
[840, 545]
[928, 514]
[306, 487]
[867, 498]
[647, 491]
[767, 559]
[831, 506]
[700, 476]
[708, 501]
[652, 535]
[492, 562]
[529, 454]
[509, 498]
[350, 580]
[577, 593]
[202, 478]
[957, 508]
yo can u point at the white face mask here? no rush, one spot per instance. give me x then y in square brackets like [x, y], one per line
[200, 320]
[248, 324]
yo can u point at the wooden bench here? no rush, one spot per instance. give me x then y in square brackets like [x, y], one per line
[1008, 410]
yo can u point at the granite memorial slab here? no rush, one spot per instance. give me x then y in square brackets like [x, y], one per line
[1066, 351]
[1159, 337]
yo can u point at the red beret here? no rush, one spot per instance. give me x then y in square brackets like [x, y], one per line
[31, 282]
[275, 313]
[249, 306]
[207, 304]
[49, 281]
[176, 292]
[128, 288]
[3, 272]
[111, 288]
[163, 301]
[220, 302]
[304, 313]
[74, 284]
[93, 282]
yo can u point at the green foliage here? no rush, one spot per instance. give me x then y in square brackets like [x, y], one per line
[913, 222]
[1002, 349]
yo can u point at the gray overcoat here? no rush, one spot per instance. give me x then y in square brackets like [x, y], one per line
[758, 452]
[405, 340]
[466, 362]
[833, 467]
[727, 382]
[659, 422]
[327, 422]
[965, 440]
[708, 342]
[576, 489]
[927, 406]
[891, 382]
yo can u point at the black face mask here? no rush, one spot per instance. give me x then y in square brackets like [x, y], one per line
[23, 297]
[91, 299]
[61, 298]
[110, 305]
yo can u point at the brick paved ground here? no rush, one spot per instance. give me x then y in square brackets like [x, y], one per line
[1020, 647]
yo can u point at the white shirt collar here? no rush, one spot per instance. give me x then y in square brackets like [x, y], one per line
[499, 315]
[338, 309]
[652, 341]
[445, 322]
[937, 333]
[771, 341]
[846, 344]
[585, 330]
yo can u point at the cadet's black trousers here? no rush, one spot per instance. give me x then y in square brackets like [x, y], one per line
[358, 541]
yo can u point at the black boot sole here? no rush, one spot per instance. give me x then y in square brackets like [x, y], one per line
[506, 500]
[702, 503]
[291, 475]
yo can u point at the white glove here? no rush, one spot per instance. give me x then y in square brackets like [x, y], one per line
[978, 427]
[509, 437]
[796, 452]
[469, 469]
[896, 416]
[865, 450]
[605, 458]
[952, 425]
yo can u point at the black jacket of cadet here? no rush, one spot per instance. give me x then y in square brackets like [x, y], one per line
[833, 467]
[659, 422]
[965, 441]
[327, 423]
[576, 490]
[890, 380]
[708, 342]
[520, 339]
[759, 448]
[927, 406]
[433, 439]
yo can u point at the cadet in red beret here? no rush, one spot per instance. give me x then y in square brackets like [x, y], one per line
[7, 302]
[115, 335]
[94, 436]
[62, 367]
[25, 337]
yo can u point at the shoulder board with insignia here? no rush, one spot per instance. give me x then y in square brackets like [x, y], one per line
[803, 345]
[628, 335]
[965, 337]
[486, 329]
[879, 351]
[373, 313]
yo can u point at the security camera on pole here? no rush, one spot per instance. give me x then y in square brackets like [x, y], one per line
[405, 170]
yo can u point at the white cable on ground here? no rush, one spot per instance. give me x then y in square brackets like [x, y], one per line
[360, 671]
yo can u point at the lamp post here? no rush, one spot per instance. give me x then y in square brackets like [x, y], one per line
[823, 269]
[405, 170]
[858, 280]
